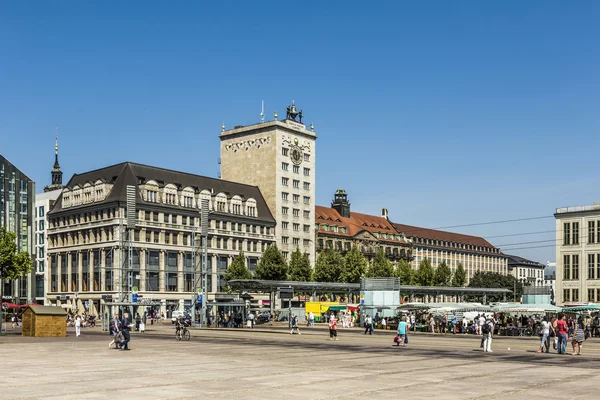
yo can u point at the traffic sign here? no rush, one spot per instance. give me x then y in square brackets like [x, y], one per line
[134, 289]
[134, 298]
[200, 297]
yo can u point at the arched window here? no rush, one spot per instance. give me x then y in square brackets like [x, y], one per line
[251, 208]
[170, 195]
[205, 194]
[221, 202]
[236, 205]
[187, 197]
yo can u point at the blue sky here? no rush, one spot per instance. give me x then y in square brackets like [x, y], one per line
[446, 113]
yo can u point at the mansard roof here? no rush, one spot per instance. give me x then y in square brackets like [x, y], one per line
[128, 173]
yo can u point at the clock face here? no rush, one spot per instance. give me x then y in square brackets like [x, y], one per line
[296, 155]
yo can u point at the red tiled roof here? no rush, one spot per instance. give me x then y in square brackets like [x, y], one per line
[355, 224]
[417, 232]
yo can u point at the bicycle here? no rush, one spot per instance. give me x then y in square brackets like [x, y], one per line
[182, 333]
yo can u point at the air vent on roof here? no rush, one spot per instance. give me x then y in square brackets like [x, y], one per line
[238, 126]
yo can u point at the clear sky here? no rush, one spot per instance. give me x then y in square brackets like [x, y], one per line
[446, 113]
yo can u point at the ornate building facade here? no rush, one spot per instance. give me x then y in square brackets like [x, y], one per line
[339, 228]
[278, 157]
[86, 239]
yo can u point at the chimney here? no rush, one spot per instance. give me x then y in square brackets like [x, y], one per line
[385, 214]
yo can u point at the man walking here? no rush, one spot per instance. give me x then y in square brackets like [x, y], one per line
[561, 328]
[368, 325]
[488, 331]
[125, 329]
[77, 326]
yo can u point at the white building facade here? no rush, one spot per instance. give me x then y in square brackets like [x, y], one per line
[43, 204]
[578, 254]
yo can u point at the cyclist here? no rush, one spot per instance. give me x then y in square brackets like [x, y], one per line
[179, 326]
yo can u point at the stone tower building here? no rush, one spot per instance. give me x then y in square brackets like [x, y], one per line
[279, 158]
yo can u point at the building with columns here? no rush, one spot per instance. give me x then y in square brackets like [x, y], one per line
[278, 157]
[87, 242]
[578, 254]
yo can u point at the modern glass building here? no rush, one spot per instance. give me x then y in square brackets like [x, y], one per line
[17, 196]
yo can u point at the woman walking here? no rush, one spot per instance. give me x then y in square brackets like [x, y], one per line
[578, 338]
[77, 326]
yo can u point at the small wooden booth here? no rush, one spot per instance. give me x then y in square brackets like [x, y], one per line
[45, 321]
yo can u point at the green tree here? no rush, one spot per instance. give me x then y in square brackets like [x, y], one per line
[300, 269]
[13, 264]
[238, 269]
[497, 281]
[355, 266]
[405, 272]
[425, 274]
[272, 265]
[381, 267]
[442, 275]
[329, 266]
[460, 277]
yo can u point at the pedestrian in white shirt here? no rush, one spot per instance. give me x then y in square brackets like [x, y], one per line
[77, 326]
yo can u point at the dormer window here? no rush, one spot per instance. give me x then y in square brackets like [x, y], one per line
[152, 196]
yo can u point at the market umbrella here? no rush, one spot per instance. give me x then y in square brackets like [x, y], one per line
[587, 307]
[80, 308]
[11, 306]
[93, 311]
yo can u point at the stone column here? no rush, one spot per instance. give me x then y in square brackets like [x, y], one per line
[213, 273]
[180, 280]
[69, 270]
[79, 272]
[142, 270]
[91, 264]
[102, 269]
[161, 271]
[58, 273]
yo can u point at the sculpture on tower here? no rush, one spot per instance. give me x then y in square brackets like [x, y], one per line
[292, 113]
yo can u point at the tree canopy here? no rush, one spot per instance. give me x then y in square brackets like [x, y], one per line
[238, 269]
[300, 269]
[329, 266]
[272, 265]
[495, 280]
[381, 267]
[355, 266]
[460, 277]
[13, 264]
[442, 275]
[425, 274]
[405, 272]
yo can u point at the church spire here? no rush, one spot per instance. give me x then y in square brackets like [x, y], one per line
[56, 172]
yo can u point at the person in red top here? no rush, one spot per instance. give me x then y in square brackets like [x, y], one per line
[561, 330]
[332, 327]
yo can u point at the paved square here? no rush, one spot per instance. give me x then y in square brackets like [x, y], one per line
[268, 363]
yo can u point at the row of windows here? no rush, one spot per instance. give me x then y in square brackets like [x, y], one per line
[221, 203]
[295, 168]
[571, 233]
[82, 218]
[530, 273]
[295, 212]
[295, 183]
[455, 245]
[347, 245]
[295, 241]
[295, 227]
[295, 198]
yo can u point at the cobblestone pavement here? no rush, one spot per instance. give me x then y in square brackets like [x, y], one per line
[268, 363]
